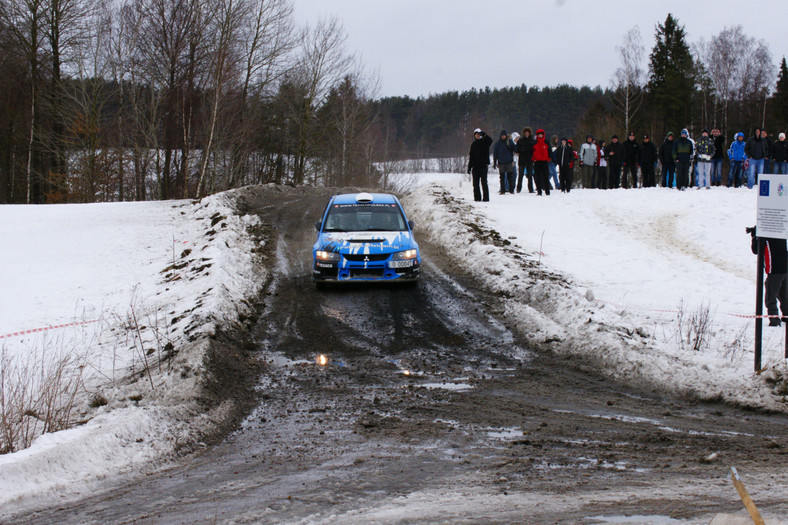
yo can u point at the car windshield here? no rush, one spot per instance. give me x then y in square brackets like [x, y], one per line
[365, 217]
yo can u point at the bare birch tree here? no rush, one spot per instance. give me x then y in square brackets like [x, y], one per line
[629, 79]
[739, 66]
[229, 15]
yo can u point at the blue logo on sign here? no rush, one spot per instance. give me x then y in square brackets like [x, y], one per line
[764, 188]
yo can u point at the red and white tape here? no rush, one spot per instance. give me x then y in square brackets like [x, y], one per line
[644, 309]
[46, 328]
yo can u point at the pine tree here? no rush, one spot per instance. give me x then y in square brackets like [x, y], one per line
[780, 101]
[671, 82]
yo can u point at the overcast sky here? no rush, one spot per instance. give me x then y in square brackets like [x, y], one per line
[431, 46]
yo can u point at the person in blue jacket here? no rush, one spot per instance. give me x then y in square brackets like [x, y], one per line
[503, 159]
[737, 156]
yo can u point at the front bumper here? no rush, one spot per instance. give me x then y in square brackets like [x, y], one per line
[325, 271]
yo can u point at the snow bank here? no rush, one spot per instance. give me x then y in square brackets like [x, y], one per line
[148, 283]
[618, 277]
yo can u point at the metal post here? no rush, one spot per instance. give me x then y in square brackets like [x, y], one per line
[759, 307]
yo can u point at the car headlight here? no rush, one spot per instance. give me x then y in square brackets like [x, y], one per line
[326, 256]
[404, 256]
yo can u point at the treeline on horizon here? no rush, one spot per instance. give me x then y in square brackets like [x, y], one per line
[164, 99]
[441, 125]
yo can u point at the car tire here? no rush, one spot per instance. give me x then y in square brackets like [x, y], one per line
[320, 286]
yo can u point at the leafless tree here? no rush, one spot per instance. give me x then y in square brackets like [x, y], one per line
[228, 16]
[249, 41]
[629, 79]
[348, 119]
[67, 25]
[164, 43]
[267, 40]
[322, 63]
[739, 66]
[138, 117]
[26, 21]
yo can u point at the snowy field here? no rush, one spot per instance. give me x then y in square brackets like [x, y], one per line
[629, 276]
[139, 286]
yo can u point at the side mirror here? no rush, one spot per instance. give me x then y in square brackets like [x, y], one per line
[411, 225]
[317, 226]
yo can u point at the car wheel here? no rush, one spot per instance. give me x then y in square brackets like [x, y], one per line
[320, 285]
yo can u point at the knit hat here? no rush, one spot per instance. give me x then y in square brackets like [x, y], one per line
[704, 130]
[670, 134]
[781, 136]
[614, 137]
[503, 132]
[477, 130]
[569, 141]
[645, 136]
[685, 132]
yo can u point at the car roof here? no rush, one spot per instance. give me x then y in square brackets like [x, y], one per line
[350, 198]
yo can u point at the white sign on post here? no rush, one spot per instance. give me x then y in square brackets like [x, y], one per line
[772, 206]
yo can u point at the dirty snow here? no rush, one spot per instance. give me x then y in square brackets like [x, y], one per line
[615, 277]
[146, 282]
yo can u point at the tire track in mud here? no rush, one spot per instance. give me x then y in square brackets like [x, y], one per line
[663, 233]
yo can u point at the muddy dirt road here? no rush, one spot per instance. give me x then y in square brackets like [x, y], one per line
[432, 411]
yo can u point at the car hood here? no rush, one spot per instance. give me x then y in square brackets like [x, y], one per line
[364, 242]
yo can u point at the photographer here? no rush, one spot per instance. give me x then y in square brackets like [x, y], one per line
[775, 261]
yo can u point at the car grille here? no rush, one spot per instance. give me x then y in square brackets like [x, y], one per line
[366, 273]
[360, 257]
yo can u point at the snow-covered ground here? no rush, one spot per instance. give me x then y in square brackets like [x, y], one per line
[140, 285]
[618, 278]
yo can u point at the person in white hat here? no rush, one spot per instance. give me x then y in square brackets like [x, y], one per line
[780, 155]
[478, 164]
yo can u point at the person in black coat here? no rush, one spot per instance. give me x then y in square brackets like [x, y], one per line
[503, 159]
[757, 150]
[767, 160]
[666, 159]
[564, 158]
[478, 163]
[647, 160]
[683, 152]
[525, 166]
[615, 158]
[631, 150]
[780, 155]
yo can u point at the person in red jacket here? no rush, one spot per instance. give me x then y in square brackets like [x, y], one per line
[541, 156]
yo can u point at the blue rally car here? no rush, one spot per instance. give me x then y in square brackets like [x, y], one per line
[365, 237]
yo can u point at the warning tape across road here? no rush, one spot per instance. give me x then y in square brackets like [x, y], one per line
[46, 328]
[82, 323]
[741, 316]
